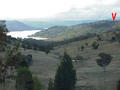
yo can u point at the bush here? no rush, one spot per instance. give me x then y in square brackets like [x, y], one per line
[37, 84]
[24, 79]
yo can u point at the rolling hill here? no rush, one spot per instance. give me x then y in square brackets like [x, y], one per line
[88, 72]
[66, 32]
[18, 26]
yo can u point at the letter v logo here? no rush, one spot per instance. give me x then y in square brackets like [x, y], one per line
[114, 16]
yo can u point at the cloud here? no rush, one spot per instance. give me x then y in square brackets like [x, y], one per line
[58, 9]
[102, 10]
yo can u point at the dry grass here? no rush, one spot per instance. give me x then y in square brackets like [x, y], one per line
[88, 72]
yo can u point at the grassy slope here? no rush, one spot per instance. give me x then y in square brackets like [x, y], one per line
[88, 72]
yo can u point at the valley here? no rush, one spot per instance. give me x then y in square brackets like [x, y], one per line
[83, 44]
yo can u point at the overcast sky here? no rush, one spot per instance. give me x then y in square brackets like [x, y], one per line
[58, 9]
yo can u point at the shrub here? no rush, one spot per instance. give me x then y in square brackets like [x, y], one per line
[24, 79]
[37, 84]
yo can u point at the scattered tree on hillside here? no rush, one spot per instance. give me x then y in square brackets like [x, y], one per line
[65, 78]
[82, 47]
[47, 50]
[86, 44]
[113, 38]
[95, 45]
[98, 37]
[104, 60]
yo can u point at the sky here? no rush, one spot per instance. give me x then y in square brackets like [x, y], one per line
[58, 9]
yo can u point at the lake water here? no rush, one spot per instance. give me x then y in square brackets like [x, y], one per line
[25, 34]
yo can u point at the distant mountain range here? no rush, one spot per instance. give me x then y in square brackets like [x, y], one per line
[19, 26]
[16, 25]
[65, 32]
[48, 24]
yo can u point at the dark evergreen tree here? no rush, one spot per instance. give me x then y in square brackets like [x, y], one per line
[23, 63]
[3, 44]
[65, 78]
[118, 85]
[3, 39]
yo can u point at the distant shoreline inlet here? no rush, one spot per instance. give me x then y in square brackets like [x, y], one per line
[25, 34]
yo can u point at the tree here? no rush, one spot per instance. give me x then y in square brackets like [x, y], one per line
[65, 78]
[23, 63]
[104, 60]
[47, 50]
[82, 47]
[98, 37]
[24, 79]
[113, 38]
[50, 84]
[86, 44]
[95, 45]
[118, 85]
[3, 31]
[13, 56]
[3, 43]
